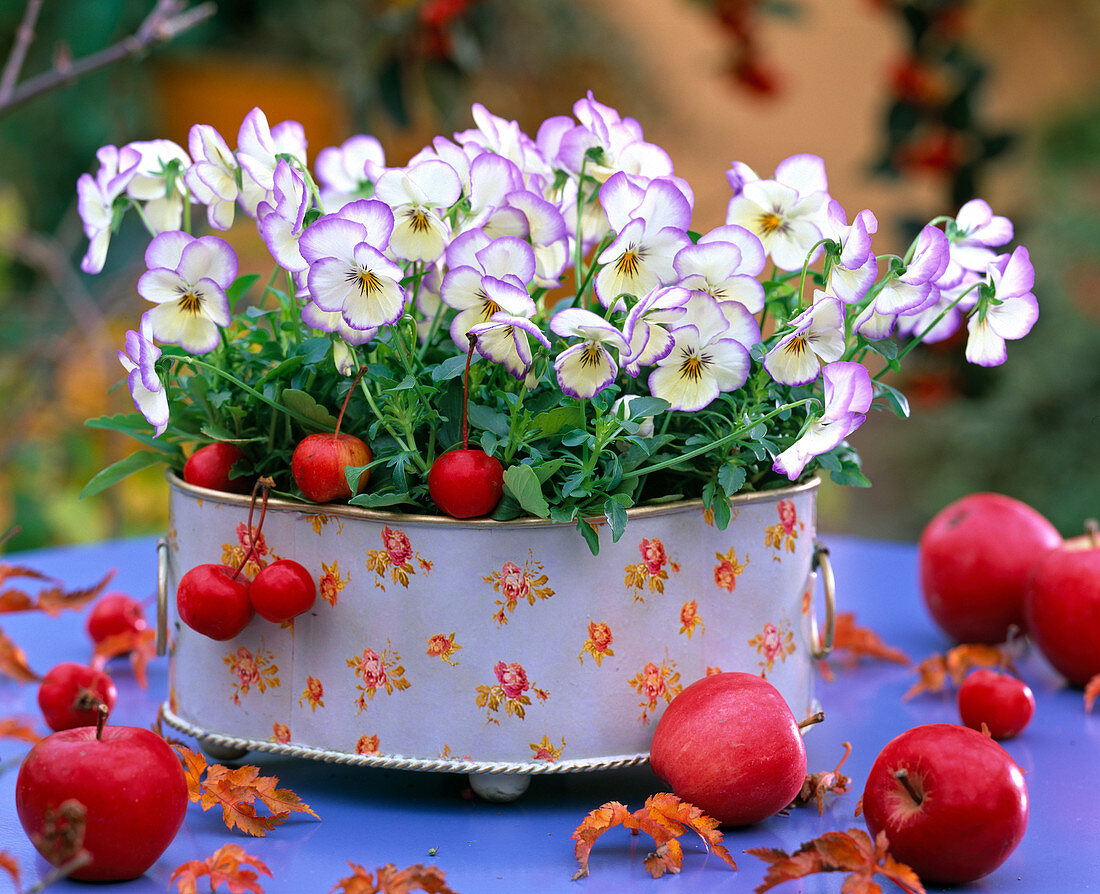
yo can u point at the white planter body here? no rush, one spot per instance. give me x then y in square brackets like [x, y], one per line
[466, 646]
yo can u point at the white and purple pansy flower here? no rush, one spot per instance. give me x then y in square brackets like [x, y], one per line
[187, 280]
[816, 337]
[586, 368]
[504, 337]
[1008, 314]
[258, 149]
[704, 361]
[974, 235]
[282, 219]
[646, 328]
[212, 177]
[724, 264]
[158, 183]
[848, 396]
[348, 172]
[139, 358]
[417, 195]
[96, 199]
[853, 267]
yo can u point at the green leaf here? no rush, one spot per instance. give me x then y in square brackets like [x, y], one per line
[135, 462]
[722, 514]
[240, 286]
[547, 469]
[523, 484]
[304, 405]
[647, 406]
[590, 534]
[135, 426]
[553, 421]
[616, 518]
[731, 478]
[451, 368]
[281, 370]
[481, 416]
[897, 401]
[377, 500]
[506, 509]
[406, 384]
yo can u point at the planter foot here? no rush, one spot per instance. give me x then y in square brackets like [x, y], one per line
[500, 788]
[221, 752]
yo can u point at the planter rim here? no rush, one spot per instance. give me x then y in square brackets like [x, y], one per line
[341, 509]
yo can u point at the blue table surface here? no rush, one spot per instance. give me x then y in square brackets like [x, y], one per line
[374, 817]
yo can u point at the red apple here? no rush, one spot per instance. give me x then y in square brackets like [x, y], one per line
[115, 614]
[729, 744]
[318, 466]
[282, 590]
[1062, 607]
[1003, 703]
[466, 483]
[952, 802]
[130, 783]
[214, 600]
[209, 467]
[70, 695]
[975, 559]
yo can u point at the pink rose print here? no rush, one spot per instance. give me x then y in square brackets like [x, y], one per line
[598, 644]
[773, 642]
[509, 691]
[788, 516]
[652, 572]
[512, 678]
[656, 683]
[367, 745]
[518, 583]
[397, 546]
[728, 569]
[371, 669]
[783, 535]
[395, 559]
[251, 670]
[377, 671]
[653, 555]
[280, 733]
[514, 584]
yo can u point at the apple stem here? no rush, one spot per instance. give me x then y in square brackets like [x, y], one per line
[902, 776]
[263, 484]
[466, 387]
[347, 397]
[1092, 529]
[811, 720]
[101, 719]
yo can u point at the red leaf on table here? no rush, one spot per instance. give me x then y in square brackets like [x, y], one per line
[817, 785]
[140, 645]
[851, 640]
[225, 865]
[938, 669]
[8, 864]
[51, 600]
[13, 662]
[10, 728]
[605, 817]
[392, 880]
[1092, 691]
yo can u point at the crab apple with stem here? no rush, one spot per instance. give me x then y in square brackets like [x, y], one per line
[282, 590]
[1003, 704]
[319, 460]
[130, 784]
[1062, 606]
[465, 482]
[115, 614]
[210, 467]
[952, 802]
[70, 695]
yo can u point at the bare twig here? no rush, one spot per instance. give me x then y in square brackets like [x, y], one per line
[24, 37]
[167, 20]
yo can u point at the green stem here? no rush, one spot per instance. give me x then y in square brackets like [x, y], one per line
[305, 420]
[916, 340]
[806, 267]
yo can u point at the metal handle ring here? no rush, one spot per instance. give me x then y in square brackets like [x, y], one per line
[162, 596]
[821, 646]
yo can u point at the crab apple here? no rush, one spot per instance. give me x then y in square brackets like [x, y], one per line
[1062, 607]
[115, 614]
[952, 802]
[466, 483]
[70, 695]
[209, 467]
[282, 590]
[1005, 704]
[975, 557]
[729, 744]
[130, 784]
[214, 600]
[318, 466]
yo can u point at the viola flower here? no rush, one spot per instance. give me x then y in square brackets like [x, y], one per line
[349, 171]
[258, 148]
[348, 273]
[974, 234]
[491, 178]
[503, 338]
[645, 324]
[652, 227]
[212, 177]
[96, 200]
[186, 280]
[474, 258]
[1009, 313]
[417, 195]
[158, 182]
[139, 358]
[543, 225]
[848, 396]
[783, 213]
[705, 360]
[586, 368]
[724, 264]
[817, 337]
[854, 267]
[505, 138]
[282, 219]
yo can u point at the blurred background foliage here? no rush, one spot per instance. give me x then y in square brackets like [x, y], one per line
[872, 85]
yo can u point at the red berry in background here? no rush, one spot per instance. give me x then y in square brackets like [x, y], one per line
[115, 614]
[975, 558]
[1062, 607]
[70, 695]
[210, 466]
[214, 600]
[466, 483]
[1003, 703]
[282, 590]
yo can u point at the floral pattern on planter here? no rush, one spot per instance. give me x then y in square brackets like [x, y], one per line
[689, 618]
[396, 558]
[318, 521]
[773, 642]
[443, 646]
[728, 570]
[250, 670]
[280, 733]
[517, 583]
[784, 534]
[367, 745]
[331, 583]
[545, 750]
[233, 553]
[656, 683]
[314, 694]
[712, 670]
[652, 572]
[509, 692]
[598, 644]
[377, 671]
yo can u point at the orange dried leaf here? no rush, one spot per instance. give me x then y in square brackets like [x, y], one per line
[8, 864]
[675, 816]
[225, 865]
[13, 662]
[392, 880]
[936, 670]
[194, 765]
[668, 857]
[862, 642]
[140, 645]
[611, 814]
[817, 785]
[10, 728]
[931, 677]
[1092, 691]
[852, 852]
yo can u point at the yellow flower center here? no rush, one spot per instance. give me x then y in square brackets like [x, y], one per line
[367, 280]
[191, 302]
[692, 366]
[628, 263]
[770, 222]
[418, 221]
